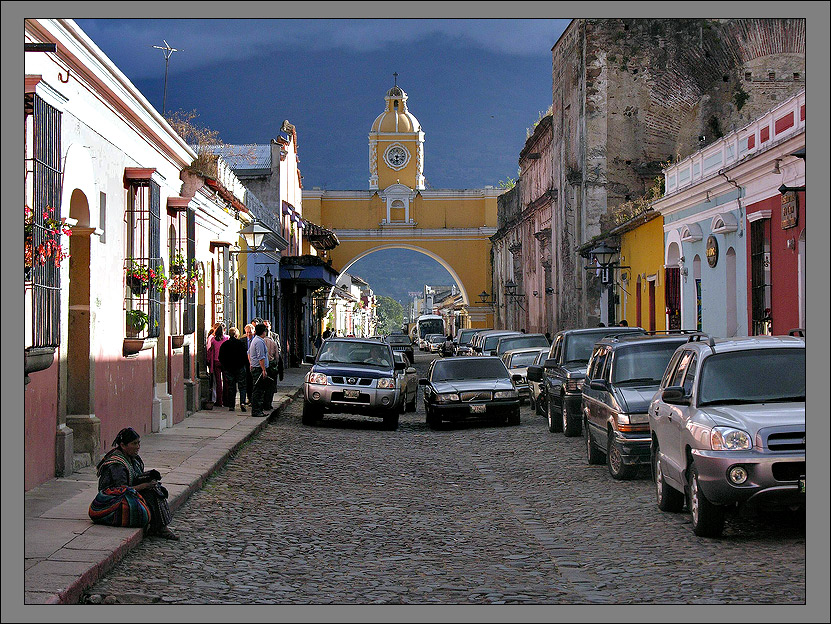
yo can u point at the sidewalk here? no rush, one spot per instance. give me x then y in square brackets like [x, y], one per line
[65, 553]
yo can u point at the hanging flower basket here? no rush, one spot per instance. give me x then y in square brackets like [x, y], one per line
[136, 285]
[177, 269]
[175, 296]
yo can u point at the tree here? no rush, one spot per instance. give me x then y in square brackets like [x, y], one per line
[390, 314]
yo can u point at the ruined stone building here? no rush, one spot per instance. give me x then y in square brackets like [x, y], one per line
[632, 94]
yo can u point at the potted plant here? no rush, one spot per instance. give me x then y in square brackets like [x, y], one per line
[177, 264]
[139, 277]
[136, 322]
[180, 286]
[49, 248]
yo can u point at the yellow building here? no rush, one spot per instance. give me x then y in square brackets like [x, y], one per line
[641, 288]
[398, 212]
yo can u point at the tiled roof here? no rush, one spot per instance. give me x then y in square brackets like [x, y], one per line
[241, 157]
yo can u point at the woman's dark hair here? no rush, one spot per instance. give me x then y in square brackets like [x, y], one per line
[218, 333]
[125, 436]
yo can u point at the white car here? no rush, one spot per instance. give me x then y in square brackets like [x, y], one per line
[517, 362]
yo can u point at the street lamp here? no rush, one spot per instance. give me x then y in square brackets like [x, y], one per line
[484, 296]
[294, 270]
[254, 233]
[511, 293]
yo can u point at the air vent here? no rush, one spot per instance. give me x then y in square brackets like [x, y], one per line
[786, 441]
[788, 471]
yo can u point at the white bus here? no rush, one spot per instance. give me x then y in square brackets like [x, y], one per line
[428, 324]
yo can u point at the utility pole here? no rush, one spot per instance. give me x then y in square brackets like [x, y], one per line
[168, 51]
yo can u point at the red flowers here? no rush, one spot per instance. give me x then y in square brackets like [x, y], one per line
[50, 247]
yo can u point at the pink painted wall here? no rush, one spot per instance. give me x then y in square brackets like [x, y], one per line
[40, 406]
[784, 266]
[124, 394]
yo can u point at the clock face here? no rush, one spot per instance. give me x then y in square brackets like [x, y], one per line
[396, 156]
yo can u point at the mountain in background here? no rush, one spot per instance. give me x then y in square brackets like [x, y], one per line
[395, 273]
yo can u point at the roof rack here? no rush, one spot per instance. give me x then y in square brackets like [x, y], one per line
[798, 332]
[701, 336]
[652, 332]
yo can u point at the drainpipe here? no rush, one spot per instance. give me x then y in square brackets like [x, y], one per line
[738, 201]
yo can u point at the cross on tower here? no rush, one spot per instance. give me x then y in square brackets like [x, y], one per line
[395, 78]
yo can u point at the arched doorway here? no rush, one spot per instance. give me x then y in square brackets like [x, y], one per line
[80, 369]
[672, 284]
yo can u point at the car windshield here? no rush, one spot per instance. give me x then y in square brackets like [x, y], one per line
[519, 360]
[753, 376]
[469, 368]
[522, 342]
[355, 353]
[436, 338]
[465, 336]
[490, 342]
[642, 363]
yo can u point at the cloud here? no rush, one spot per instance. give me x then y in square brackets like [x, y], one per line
[208, 41]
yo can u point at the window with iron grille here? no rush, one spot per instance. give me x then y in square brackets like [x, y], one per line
[43, 194]
[144, 268]
[760, 277]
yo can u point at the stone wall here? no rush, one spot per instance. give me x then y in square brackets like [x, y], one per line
[632, 94]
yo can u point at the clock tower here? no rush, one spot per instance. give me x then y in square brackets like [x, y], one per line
[396, 145]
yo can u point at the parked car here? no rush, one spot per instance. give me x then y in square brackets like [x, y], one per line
[463, 340]
[486, 340]
[402, 343]
[534, 375]
[424, 343]
[523, 341]
[352, 375]
[434, 343]
[565, 370]
[624, 373]
[517, 362]
[461, 388]
[728, 427]
[408, 383]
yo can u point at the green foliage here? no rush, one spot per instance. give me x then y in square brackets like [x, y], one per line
[740, 98]
[507, 184]
[390, 314]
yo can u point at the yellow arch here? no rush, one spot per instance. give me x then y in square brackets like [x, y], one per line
[426, 252]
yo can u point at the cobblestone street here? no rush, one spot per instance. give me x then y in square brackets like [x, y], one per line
[347, 513]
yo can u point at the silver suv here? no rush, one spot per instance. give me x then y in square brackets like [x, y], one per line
[728, 427]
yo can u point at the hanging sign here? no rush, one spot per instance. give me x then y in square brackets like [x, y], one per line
[790, 209]
[712, 251]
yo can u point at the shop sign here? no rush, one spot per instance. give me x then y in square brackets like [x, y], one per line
[790, 209]
[712, 251]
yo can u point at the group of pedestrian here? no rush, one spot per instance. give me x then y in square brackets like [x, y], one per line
[249, 365]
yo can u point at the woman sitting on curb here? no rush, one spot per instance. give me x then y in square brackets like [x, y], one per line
[127, 494]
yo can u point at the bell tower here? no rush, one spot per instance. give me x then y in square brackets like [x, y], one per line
[396, 145]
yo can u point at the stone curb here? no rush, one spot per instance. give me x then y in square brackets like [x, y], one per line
[72, 594]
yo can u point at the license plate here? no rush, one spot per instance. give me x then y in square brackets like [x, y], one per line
[478, 409]
[351, 394]
[802, 486]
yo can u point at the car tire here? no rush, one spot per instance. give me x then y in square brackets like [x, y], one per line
[514, 418]
[432, 420]
[667, 497]
[411, 406]
[532, 403]
[614, 460]
[311, 414]
[555, 424]
[593, 455]
[391, 422]
[707, 518]
[571, 426]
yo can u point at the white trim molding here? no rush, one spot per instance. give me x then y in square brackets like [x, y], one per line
[759, 214]
[723, 223]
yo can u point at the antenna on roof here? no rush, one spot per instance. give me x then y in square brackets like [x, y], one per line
[168, 51]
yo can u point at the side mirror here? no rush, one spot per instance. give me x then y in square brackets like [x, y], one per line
[534, 373]
[674, 395]
[423, 381]
[411, 369]
[308, 359]
[400, 365]
[551, 363]
[516, 378]
[599, 384]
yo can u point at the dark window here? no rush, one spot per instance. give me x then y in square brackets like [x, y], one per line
[143, 251]
[189, 320]
[760, 277]
[43, 168]
[753, 376]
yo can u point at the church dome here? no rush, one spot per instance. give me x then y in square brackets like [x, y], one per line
[396, 117]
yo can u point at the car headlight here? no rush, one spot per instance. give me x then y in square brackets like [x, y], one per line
[729, 439]
[386, 382]
[317, 378]
[450, 397]
[574, 385]
[505, 394]
[632, 419]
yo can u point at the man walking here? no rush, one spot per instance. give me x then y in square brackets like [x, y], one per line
[233, 358]
[273, 351]
[258, 361]
[249, 382]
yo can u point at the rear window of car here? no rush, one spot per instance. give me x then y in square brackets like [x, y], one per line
[490, 342]
[521, 342]
[468, 368]
[398, 340]
[579, 344]
[645, 363]
[752, 376]
[519, 360]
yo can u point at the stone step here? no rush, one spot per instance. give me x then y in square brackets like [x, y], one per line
[81, 460]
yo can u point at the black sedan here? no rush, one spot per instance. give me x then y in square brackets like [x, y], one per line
[461, 388]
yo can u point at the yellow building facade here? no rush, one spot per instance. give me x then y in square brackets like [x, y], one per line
[397, 211]
[642, 298]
